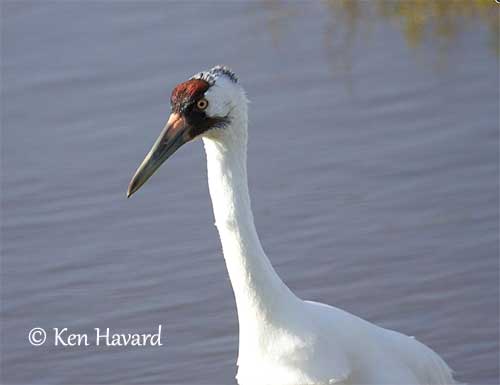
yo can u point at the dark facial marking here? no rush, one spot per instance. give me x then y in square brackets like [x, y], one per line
[200, 122]
[183, 100]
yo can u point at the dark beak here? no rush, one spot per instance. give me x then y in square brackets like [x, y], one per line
[174, 135]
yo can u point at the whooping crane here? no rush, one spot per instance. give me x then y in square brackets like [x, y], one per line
[283, 340]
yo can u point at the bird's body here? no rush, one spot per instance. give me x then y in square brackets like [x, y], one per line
[283, 339]
[325, 345]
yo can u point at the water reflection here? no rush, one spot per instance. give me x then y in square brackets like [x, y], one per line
[422, 20]
[438, 24]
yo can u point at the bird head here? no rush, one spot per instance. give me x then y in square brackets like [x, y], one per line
[203, 106]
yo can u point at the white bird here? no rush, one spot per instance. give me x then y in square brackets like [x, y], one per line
[283, 340]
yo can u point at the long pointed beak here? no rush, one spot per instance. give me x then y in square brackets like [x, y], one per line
[174, 135]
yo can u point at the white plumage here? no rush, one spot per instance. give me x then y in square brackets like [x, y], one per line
[283, 339]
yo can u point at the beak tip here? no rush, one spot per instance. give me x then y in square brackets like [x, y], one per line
[132, 188]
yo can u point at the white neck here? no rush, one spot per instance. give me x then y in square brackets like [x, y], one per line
[260, 294]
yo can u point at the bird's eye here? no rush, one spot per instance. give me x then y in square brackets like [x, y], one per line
[202, 104]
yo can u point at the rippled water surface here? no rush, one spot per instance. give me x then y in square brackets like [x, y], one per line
[373, 162]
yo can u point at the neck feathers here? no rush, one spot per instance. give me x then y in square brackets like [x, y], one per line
[258, 289]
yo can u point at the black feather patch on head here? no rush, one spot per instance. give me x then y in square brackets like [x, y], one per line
[213, 74]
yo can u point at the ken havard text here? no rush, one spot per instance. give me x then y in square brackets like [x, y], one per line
[104, 337]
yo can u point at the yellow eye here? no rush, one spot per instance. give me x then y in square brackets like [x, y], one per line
[202, 104]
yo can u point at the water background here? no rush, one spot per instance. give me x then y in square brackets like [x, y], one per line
[373, 166]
